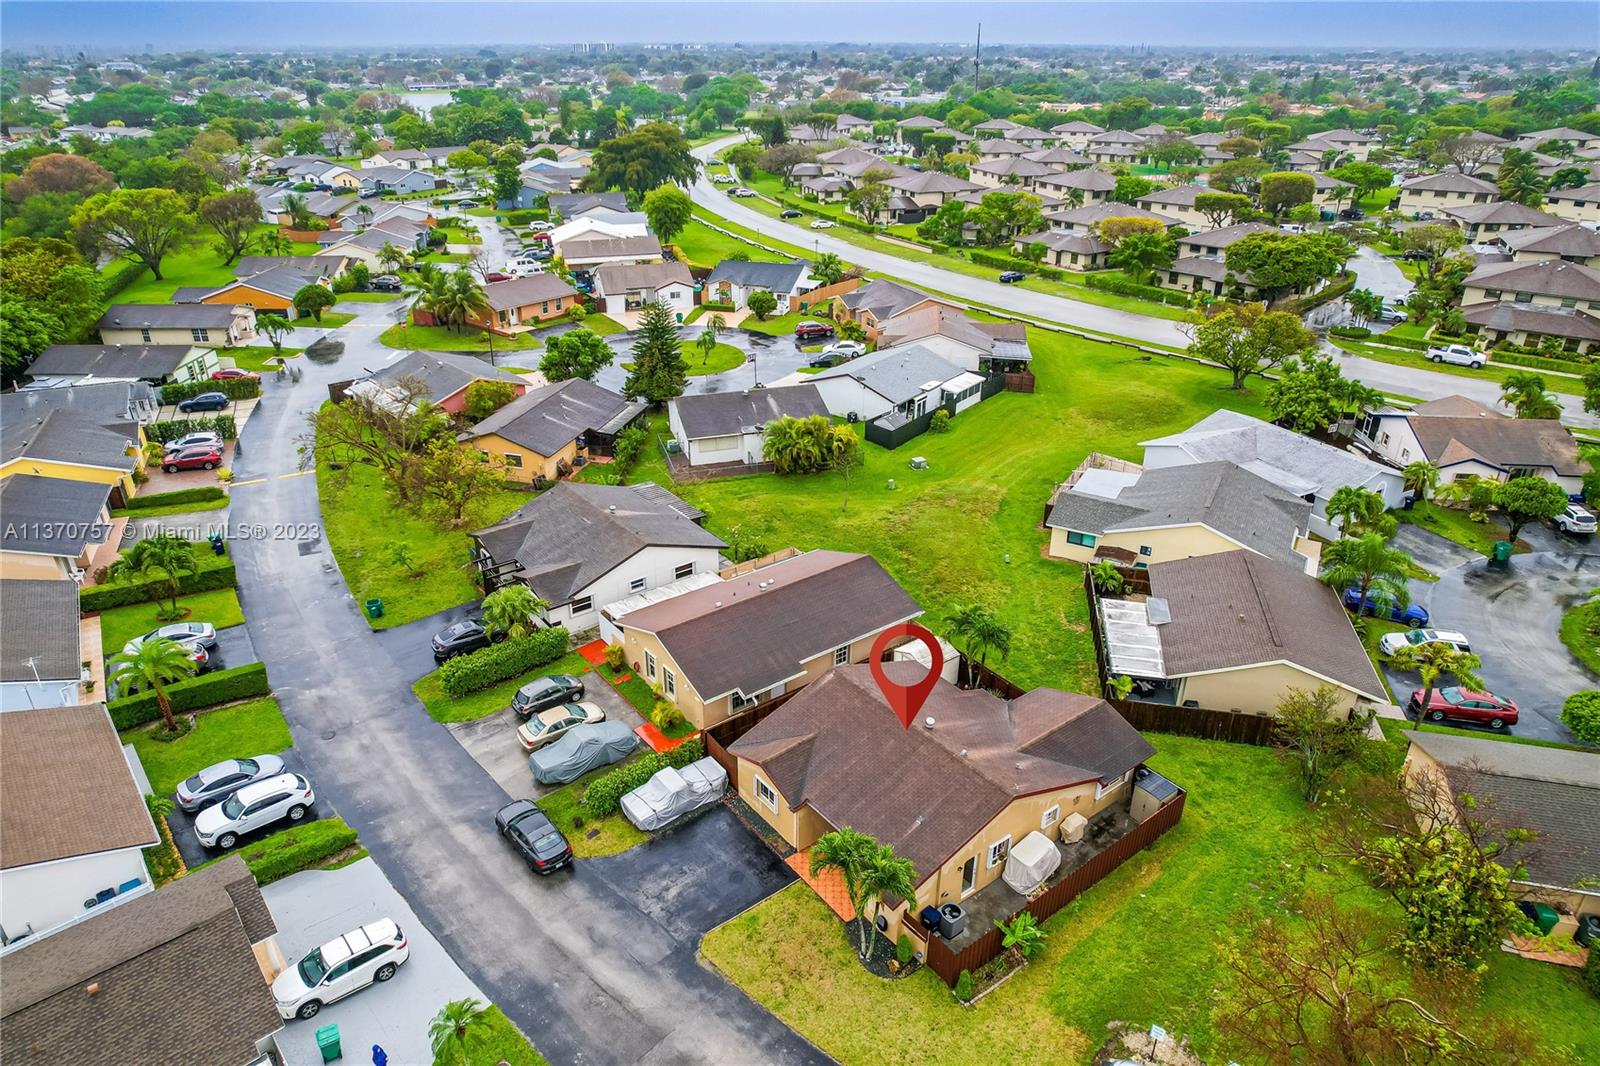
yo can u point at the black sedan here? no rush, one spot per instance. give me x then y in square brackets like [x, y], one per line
[1011, 277]
[206, 401]
[462, 638]
[789, 213]
[534, 836]
[543, 693]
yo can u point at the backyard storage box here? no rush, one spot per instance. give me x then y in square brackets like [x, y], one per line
[1031, 863]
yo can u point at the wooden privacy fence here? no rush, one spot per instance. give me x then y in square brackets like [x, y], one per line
[718, 737]
[949, 964]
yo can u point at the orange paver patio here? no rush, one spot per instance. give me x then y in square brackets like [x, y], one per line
[828, 884]
[658, 740]
[594, 652]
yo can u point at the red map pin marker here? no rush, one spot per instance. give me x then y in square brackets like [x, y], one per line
[906, 700]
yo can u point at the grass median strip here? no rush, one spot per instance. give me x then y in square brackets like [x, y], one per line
[121, 624]
[256, 727]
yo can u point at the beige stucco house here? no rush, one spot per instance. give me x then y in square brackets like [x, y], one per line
[1432, 193]
[219, 325]
[1576, 205]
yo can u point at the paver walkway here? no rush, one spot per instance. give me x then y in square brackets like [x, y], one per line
[829, 884]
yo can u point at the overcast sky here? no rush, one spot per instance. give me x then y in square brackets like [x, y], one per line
[137, 26]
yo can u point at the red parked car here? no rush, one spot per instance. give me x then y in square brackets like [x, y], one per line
[811, 331]
[1466, 705]
[495, 275]
[235, 374]
[204, 457]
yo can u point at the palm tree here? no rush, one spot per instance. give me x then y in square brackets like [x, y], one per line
[298, 210]
[883, 873]
[716, 323]
[418, 288]
[1074, 198]
[847, 851]
[449, 1027]
[1368, 564]
[1420, 478]
[1359, 510]
[391, 257]
[981, 632]
[1524, 392]
[165, 557]
[1435, 660]
[458, 296]
[707, 343]
[150, 666]
[274, 328]
[511, 610]
[794, 445]
[274, 243]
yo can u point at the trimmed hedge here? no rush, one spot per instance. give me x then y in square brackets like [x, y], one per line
[121, 594]
[466, 674]
[1124, 286]
[1008, 262]
[124, 276]
[1539, 362]
[293, 850]
[604, 794]
[1330, 292]
[1402, 342]
[222, 425]
[232, 388]
[207, 690]
[1354, 333]
[810, 207]
[167, 499]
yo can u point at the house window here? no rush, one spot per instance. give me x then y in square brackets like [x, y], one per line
[1145, 549]
[580, 605]
[1051, 817]
[1524, 298]
[636, 585]
[1087, 540]
[649, 664]
[200, 336]
[1100, 789]
[841, 655]
[544, 308]
[669, 682]
[144, 335]
[682, 571]
[513, 460]
[1492, 294]
[766, 795]
[999, 850]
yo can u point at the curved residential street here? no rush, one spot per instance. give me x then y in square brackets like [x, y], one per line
[596, 964]
[1388, 377]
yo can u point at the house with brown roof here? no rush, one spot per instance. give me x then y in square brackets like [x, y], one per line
[973, 777]
[73, 824]
[720, 650]
[1235, 631]
[1094, 186]
[1177, 202]
[1572, 243]
[1552, 791]
[588, 252]
[1067, 250]
[964, 341]
[522, 302]
[1432, 193]
[1581, 204]
[1483, 221]
[624, 287]
[179, 975]
[872, 305]
[1464, 438]
[1075, 134]
[1524, 301]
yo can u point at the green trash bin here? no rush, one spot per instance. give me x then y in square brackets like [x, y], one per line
[374, 608]
[328, 1043]
[1502, 551]
[1545, 917]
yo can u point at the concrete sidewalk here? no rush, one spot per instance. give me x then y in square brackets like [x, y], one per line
[312, 908]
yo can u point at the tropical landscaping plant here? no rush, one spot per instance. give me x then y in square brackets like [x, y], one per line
[152, 665]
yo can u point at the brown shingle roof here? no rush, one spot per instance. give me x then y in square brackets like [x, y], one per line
[520, 292]
[772, 620]
[838, 748]
[177, 980]
[1547, 277]
[65, 787]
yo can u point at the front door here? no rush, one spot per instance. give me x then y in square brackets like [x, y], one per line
[969, 875]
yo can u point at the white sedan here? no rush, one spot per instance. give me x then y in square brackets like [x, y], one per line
[821, 223]
[743, 193]
[847, 349]
[722, 179]
[188, 634]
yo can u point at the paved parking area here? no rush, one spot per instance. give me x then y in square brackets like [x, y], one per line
[410, 645]
[492, 740]
[1431, 551]
[312, 908]
[182, 823]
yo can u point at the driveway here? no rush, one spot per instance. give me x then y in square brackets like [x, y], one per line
[1512, 619]
[492, 739]
[1432, 552]
[312, 908]
[582, 966]
[181, 822]
[411, 645]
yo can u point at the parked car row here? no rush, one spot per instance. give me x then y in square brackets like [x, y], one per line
[1451, 703]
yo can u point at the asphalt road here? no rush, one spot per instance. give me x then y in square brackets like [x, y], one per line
[1428, 385]
[584, 962]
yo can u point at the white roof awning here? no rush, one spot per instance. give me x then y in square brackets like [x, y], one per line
[1133, 644]
[963, 381]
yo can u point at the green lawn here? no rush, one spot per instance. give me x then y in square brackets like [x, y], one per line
[589, 837]
[197, 264]
[330, 320]
[492, 1039]
[724, 357]
[440, 339]
[982, 498]
[240, 731]
[367, 297]
[363, 526]
[602, 325]
[1494, 371]
[458, 258]
[121, 624]
[1102, 961]
[256, 357]
[1454, 524]
[1580, 632]
[701, 244]
[779, 325]
[443, 708]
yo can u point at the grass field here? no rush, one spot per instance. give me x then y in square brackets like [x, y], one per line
[1454, 524]
[440, 339]
[256, 357]
[966, 530]
[171, 508]
[121, 624]
[240, 731]
[330, 320]
[1580, 632]
[1142, 946]
[197, 264]
[491, 1039]
[364, 527]
[603, 325]
[367, 297]
[701, 244]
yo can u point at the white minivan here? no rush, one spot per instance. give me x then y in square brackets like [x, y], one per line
[524, 268]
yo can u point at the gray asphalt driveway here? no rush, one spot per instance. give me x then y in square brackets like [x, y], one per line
[1513, 618]
[182, 823]
[1431, 551]
[411, 645]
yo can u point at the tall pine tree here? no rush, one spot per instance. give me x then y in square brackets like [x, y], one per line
[658, 372]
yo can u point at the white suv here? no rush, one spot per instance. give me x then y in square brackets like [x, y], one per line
[362, 957]
[1393, 642]
[1575, 519]
[287, 796]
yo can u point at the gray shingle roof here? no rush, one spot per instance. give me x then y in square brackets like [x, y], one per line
[149, 362]
[1236, 609]
[279, 281]
[520, 292]
[40, 622]
[1544, 321]
[571, 205]
[1292, 461]
[1504, 214]
[51, 516]
[573, 534]
[546, 420]
[1548, 277]
[778, 277]
[166, 316]
[897, 374]
[718, 414]
[599, 247]
[61, 436]
[444, 373]
[116, 405]
[1450, 181]
[1569, 239]
[1218, 495]
[616, 278]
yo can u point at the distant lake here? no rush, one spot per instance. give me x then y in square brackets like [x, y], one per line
[425, 102]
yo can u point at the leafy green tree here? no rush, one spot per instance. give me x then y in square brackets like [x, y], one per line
[795, 445]
[1433, 239]
[1591, 389]
[1140, 254]
[828, 269]
[637, 162]
[1420, 478]
[232, 216]
[1222, 208]
[1318, 735]
[658, 372]
[512, 609]
[60, 172]
[164, 557]
[761, 304]
[1247, 339]
[1368, 564]
[1279, 263]
[312, 300]
[143, 225]
[1284, 189]
[1367, 178]
[25, 330]
[1359, 511]
[507, 182]
[447, 1032]
[843, 450]
[980, 631]
[944, 226]
[871, 194]
[153, 665]
[577, 353]
[1238, 175]
[1519, 179]
[1525, 392]
[1364, 304]
[1108, 580]
[1024, 937]
[1130, 187]
[1528, 499]
[1306, 394]
[487, 396]
[1580, 712]
[1000, 215]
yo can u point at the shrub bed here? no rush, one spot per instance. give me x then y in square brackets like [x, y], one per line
[604, 794]
[1413, 343]
[1354, 333]
[232, 388]
[1008, 262]
[466, 674]
[1332, 291]
[121, 278]
[161, 432]
[121, 594]
[207, 690]
[300, 848]
[1539, 362]
[1124, 286]
[167, 499]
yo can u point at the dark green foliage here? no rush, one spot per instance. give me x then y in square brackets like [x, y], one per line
[161, 432]
[121, 594]
[1580, 712]
[658, 372]
[903, 951]
[1008, 262]
[604, 794]
[964, 986]
[207, 690]
[1123, 286]
[500, 662]
[300, 848]
[167, 499]
[233, 389]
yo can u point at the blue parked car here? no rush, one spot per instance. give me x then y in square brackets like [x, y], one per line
[1379, 605]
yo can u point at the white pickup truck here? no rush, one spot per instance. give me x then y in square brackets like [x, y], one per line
[1459, 354]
